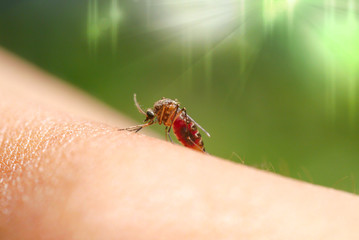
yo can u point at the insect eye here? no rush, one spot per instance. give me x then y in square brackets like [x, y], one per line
[150, 113]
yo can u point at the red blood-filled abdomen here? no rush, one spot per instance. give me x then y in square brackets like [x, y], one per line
[187, 135]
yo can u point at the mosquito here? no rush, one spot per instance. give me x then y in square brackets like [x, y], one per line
[168, 112]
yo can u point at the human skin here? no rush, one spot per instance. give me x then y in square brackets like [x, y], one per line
[65, 174]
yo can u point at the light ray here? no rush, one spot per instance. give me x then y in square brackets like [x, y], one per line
[328, 31]
[100, 25]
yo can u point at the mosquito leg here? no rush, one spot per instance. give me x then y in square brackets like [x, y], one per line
[133, 128]
[199, 147]
[174, 117]
[136, 128]
[169, 136]
[185, 119]
[160, 119]
[166, 132]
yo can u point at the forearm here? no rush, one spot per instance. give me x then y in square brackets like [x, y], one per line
[66, 177]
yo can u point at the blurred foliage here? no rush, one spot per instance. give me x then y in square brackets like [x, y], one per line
[275, 82]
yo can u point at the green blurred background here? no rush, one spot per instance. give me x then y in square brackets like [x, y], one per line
[275, 82]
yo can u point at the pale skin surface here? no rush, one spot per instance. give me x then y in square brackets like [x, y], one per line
[67, 175]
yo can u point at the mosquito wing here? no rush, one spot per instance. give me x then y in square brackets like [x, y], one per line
[199, 126]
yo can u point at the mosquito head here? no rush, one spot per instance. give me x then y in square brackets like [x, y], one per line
[150, 115]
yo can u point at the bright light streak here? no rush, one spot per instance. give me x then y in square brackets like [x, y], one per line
[330, 26]
[200, 18]
[274, 9]
[99, 24]
[92, 25]
[291, 5]
[115, 17]
[336, 41]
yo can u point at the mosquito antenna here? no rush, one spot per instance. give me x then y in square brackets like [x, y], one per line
[138, 105]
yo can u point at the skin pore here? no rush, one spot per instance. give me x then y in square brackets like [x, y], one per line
[68, 173]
